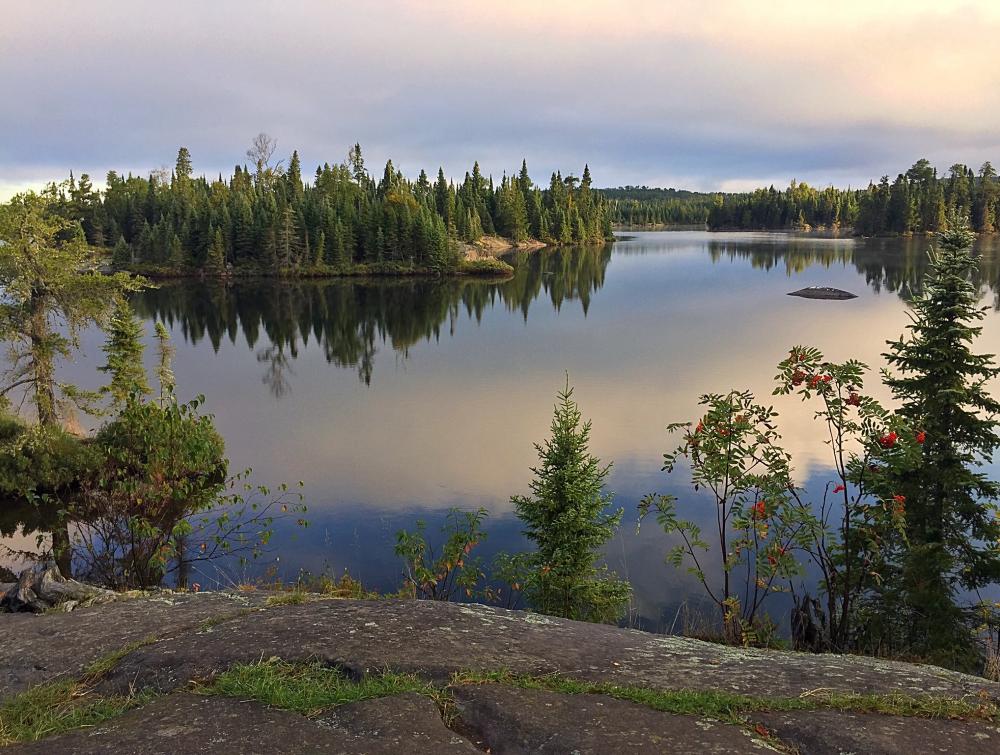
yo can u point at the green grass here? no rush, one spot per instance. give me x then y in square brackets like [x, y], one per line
[104, 664]
[310, 688]
[291, 598]
[729, 706]
[214, 621]
[55, 707]
[58, 706]
[485, 266]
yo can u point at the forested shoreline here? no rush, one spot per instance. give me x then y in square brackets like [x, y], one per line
[916, 202]
[265, 219]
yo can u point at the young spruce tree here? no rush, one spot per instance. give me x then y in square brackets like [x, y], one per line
[567, 519]
[951, 523]
[123, 349]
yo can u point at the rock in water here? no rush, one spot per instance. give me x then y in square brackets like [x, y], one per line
[41, 587]
[823, 292]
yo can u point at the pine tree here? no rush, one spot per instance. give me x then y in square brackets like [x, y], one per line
[986, 192]
[356, 162]
[175, 254]
[123, 350]
[183, 168]
[319, 253]
[293, 178]
[215, 262]
[567, 519]
[289, 243]
[951, 523]
[121, 256]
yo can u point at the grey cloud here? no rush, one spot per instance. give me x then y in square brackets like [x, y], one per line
[106, 85]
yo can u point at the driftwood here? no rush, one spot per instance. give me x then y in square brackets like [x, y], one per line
[41, 588]
[809, 628]
[823, 292]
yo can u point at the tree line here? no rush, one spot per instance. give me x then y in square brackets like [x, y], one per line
[266, 218]
[918, 201]
[645, 207]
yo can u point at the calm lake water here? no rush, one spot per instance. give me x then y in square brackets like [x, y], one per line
[394, 401]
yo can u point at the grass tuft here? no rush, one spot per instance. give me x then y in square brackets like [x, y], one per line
[57, 707]
[103, 665]
[729, 706]
[291, 598]
[311, 688]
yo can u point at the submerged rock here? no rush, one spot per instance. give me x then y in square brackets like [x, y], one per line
[823, 292]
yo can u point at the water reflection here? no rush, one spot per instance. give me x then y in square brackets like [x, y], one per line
[895, 265]
[349, 319]
[393, 400]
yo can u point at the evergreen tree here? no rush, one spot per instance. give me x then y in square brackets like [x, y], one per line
[567, 519]
[48, 300]
[183, 167]
[356, 162]
[293, 178]
[123, 350]
[121, 255]
[951, 523]
[215, 262]
[984, 207]
[319, 252]
[289, 243]
[175, 254]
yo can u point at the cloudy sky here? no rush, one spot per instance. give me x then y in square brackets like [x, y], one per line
[706, 95]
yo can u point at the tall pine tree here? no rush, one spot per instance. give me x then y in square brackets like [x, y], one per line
[951, 523]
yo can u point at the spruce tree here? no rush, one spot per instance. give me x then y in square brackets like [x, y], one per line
[121, 256]
[951, 525]
[123, 350]
[568, 520]
[293, 178]
[289, 243]
[182, 169]
[215, 263]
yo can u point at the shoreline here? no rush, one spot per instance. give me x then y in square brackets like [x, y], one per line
[482, 259]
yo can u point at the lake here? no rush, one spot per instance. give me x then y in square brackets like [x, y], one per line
[396, 400]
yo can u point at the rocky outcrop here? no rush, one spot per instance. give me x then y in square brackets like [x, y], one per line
[173, 640]
[822, 732]
[437, 639]
[491, 247]
[186, 724]
[527, 720]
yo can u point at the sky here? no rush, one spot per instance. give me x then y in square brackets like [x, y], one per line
[707, 95]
